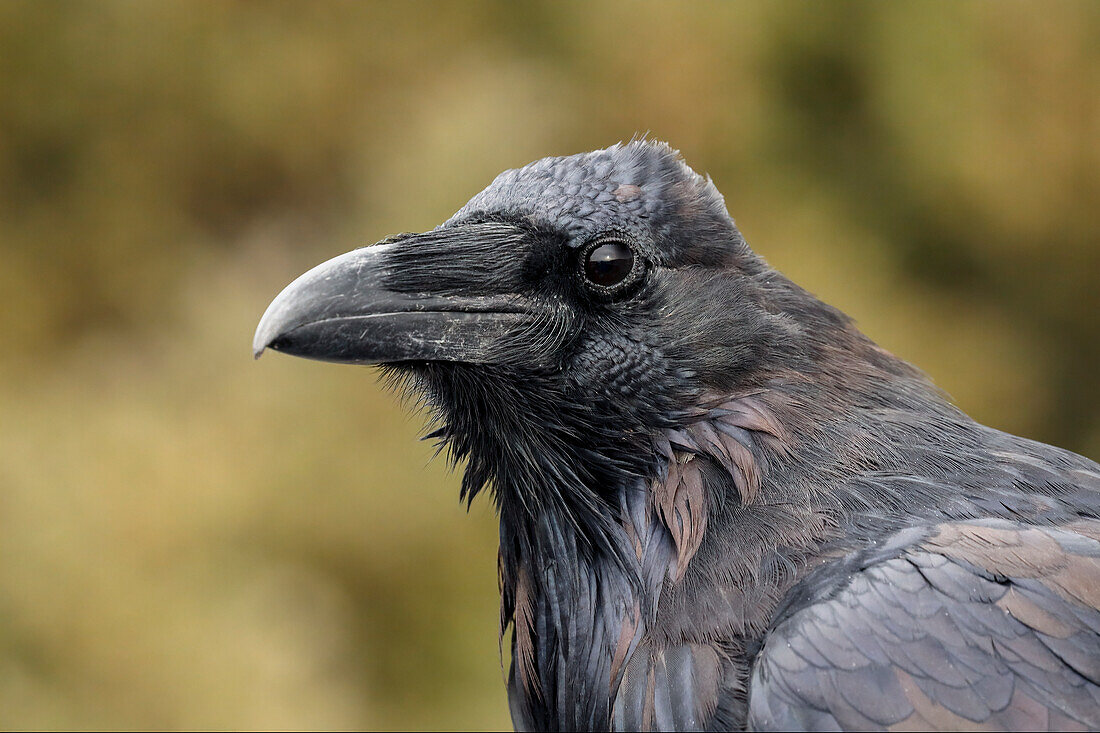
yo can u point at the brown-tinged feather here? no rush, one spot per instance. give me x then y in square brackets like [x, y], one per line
[1023, 553]
[1029, 714]
[751, 413]
[938, 717]
[707, 438]
[525, 644]
[915, 723]
[663, 494]
[1087, 527]
[1079, 580]
[622, 647]
[690, 508]
[632, 535]
[680, 503]
[1026, 553]
[506, 611]
[745, 462]
[649, 708]
[672, 480]
[1029, 613]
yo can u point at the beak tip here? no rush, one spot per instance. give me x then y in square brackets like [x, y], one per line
[263, 338]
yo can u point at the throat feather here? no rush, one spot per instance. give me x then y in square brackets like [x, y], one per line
[578, 612]
[736, 434]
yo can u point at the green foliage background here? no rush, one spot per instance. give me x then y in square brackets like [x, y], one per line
[191, 539]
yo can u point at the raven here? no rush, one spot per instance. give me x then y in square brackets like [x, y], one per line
[721, 505]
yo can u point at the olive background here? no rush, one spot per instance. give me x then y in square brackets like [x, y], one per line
[189, 538]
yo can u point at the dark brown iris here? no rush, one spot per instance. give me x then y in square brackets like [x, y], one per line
[608, 264]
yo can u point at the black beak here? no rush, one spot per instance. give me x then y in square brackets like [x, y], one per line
[342, 311]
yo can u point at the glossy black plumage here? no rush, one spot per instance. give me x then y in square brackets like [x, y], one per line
[721, 505]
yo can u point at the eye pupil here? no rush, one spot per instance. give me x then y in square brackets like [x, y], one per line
[609, 264]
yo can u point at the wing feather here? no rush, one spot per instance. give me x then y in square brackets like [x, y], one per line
[982, 624]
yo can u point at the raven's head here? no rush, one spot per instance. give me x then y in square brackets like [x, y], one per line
[603, 348]
[564, 315]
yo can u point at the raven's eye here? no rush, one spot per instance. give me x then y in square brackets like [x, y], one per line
[608, 263]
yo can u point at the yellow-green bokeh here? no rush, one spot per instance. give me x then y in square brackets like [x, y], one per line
[192, 539]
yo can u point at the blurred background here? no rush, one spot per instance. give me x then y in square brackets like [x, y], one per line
[189, 539]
